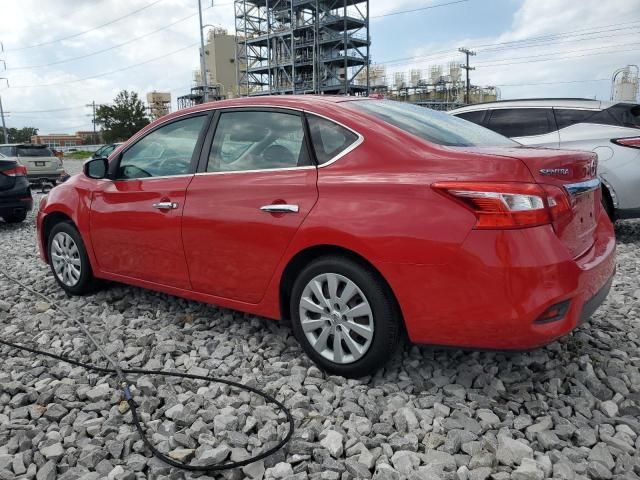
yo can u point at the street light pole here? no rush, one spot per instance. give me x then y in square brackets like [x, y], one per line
[4, 125]
[203, 63]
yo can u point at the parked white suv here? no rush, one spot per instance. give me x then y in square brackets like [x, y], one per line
[612, 130]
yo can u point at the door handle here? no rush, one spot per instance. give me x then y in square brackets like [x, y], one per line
[165, 205]
[280, 208]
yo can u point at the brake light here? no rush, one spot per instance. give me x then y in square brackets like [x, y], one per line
[559, 203]
[500, 205]
[631, 142]
[18, 171]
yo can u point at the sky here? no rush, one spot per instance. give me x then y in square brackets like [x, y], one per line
[62, 55]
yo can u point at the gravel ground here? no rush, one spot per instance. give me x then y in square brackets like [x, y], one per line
[570, 410]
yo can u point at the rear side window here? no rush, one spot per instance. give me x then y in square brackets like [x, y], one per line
[329, 139]
[33, 152]
[430, 125]
[475, 117]
[567, 117]
[521, 122]
[7, 151]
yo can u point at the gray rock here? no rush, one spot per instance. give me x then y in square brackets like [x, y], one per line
[528, 470]
[100, 392]
[511, 452]
[609, 408]
[47, 471]
[52, 451]
[357, 469]
[182, 454]
[332, 441]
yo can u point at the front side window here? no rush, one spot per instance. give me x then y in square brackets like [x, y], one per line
[262, 140]
[166, 151]
[521, 122]
[329, 139]
[430, 125]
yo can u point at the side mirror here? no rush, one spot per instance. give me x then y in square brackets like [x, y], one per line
[96, 168]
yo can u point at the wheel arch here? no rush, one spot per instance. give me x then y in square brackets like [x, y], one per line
[301, 259]
[49, 221]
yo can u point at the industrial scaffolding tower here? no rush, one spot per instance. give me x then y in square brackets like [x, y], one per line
[302, 46]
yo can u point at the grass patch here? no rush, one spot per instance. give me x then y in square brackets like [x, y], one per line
[79, 155]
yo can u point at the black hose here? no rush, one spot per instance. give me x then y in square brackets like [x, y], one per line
[133, 407]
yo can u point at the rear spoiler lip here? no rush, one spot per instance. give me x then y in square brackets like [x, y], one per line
[580, 188]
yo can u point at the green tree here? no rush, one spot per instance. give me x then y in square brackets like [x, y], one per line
[21, 135]
[125, 117]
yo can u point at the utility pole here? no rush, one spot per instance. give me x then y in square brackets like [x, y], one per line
[93, 106]
[4, 125]
[468, 53]
[203, 63]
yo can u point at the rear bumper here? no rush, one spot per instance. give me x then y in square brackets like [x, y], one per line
[55, 178]
[499, 285]
[15, 206]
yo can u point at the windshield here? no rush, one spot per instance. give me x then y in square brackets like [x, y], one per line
[431, 125]
[33, 152]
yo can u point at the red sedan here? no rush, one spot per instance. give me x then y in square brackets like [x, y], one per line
[353, 218]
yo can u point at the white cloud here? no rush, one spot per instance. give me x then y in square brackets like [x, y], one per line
[47, 21]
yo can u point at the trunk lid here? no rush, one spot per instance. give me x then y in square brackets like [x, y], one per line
[575, 174]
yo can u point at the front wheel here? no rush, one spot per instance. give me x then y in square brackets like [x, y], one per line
[344, 316]
[69, 261]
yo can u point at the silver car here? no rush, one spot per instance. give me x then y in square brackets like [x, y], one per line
[611, 130]
[41, 164]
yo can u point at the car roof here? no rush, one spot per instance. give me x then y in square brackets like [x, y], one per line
[581, 103]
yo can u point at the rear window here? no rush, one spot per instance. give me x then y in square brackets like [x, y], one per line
[7, 151]
[33, 152]
[430, 125]
[521, 122]
[626, 114]
[475, 117]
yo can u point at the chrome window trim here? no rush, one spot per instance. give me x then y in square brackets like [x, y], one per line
[337, 157]
[580, 188]
[152, 178]
[283, 169]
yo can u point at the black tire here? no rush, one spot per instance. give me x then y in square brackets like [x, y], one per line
[86, 282]
[386, 316]
[15, 217]
[607, 204]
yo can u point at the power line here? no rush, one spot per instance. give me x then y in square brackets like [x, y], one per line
[419, 9]
[561, 53]
[552, 83]
[556, 58]
[554, 35]
[111, 22]
[97, 52]
[103, 74]
[49, 110]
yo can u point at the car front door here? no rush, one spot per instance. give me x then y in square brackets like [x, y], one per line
[135, 218]
[246, 204]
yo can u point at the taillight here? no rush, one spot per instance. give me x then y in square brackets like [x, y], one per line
[631, 142]
[18, 171]
[501, 205]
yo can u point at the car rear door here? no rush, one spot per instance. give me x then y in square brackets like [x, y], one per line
[136, 217]
[255, 186]
[528, 126]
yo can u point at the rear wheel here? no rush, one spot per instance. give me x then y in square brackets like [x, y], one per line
[344, 316]
[69, 261]
[15, 217]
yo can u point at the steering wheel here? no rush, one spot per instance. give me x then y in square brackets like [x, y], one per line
[278, 156]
